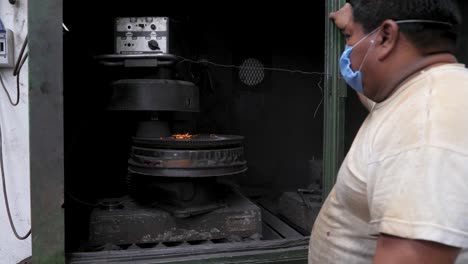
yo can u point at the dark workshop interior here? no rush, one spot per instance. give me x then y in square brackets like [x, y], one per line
[237, 159]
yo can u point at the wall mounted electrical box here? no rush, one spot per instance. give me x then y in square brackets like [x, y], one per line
[7, 48]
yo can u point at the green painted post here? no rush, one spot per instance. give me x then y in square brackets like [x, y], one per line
[335, 95]
[46, 130]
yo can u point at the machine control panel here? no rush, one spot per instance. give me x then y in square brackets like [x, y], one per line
[137, 35]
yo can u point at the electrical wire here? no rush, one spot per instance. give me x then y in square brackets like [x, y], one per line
[207, 62]
[321, 101]
[203, 61]
[16, 102]
[5, 195]
[20, 57]
[16, 72]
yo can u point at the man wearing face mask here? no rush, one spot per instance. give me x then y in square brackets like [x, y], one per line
[401, 194]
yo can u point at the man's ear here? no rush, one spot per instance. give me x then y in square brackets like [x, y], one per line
[387, 39]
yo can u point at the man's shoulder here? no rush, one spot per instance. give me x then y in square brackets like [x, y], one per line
[447, 108]
[447, 67]
[432, 112]
[448, 74]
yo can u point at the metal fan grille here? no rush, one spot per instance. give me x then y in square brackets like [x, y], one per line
[251, 72]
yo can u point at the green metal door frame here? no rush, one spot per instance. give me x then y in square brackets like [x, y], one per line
[334, 107]
[46, 130]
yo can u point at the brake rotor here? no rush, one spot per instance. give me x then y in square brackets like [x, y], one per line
[187, 162]
[190, 142]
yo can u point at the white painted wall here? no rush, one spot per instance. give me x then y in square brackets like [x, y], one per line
[14, 122]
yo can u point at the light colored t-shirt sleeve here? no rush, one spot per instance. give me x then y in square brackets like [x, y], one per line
[421, 193]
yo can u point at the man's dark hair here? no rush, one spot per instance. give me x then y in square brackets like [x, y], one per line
[427, 37]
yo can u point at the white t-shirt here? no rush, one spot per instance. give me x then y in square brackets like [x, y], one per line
[406, 173]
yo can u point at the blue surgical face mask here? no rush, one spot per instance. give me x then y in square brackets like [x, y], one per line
[354, 78]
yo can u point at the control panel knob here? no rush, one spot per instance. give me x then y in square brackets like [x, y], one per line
[153, 45]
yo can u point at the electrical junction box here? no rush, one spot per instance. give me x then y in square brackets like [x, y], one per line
[7, 49]
[139, 35]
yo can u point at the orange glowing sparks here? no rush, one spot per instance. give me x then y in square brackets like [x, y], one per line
[182, 136]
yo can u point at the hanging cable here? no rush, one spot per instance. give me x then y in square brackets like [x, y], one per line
[16, 102]
[16, 72]
[5, 195]
[20, 60]
[204, 61]
[321, 101]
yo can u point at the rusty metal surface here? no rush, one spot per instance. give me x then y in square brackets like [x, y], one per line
[135, 224]
[182, 197]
